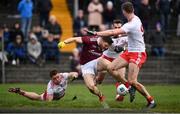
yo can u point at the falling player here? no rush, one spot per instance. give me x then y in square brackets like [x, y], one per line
[55, 89]
[90, 52]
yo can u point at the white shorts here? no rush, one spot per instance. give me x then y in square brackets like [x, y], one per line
[89, 68]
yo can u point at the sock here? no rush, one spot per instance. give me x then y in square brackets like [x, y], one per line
[127, 85]
[117, 84]
[150, 99]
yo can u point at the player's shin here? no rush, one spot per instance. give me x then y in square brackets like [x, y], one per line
[144, 92]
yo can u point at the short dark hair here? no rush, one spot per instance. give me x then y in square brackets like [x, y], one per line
[107, 39]
[53, 72]
[128, 7]
[117, 21]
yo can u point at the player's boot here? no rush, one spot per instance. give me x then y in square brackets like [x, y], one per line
[102, 98]
[151, 105]
[103, 102]
[16, 90]
[119, 98]
[132, 92]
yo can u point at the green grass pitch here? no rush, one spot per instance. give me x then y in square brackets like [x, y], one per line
[166, 96]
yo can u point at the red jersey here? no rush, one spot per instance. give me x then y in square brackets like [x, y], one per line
[90, 49]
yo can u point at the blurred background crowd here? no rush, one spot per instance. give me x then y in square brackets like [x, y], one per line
[36, 42]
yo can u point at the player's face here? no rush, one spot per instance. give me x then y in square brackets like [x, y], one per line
[56, 79]
[117, 25]
[103, 45]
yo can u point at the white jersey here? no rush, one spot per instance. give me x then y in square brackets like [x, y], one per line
[120, 42]
[134, 30]
[58, 90]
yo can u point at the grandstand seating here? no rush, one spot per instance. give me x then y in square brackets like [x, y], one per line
[60, 10]
[156, 70]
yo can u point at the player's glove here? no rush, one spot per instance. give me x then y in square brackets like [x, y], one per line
[118, 49]
[91, 32]
[61, 45]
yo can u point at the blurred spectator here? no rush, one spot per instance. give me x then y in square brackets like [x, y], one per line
[144, 13]
[136, 4]
[54, 28]
[102, 27]
[37, 30]
[178, 21]
[83, 33]
[16, 51]
[2, 55]
[75, 59]
[16, 30]
[44, 7]
[164, 9]
[79, 23]
[34, 49]
[25, 7]
[157, 41]
[95, 9]
[6, 35]
[1, 36]
[109, 14]
[50, 49]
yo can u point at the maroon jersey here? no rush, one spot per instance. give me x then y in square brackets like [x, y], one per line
[90, 49]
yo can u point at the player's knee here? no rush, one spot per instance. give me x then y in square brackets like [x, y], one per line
[110, 68]
[132, 82]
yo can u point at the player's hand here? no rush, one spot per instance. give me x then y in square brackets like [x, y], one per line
[61, 45]
[91, 32]
[75, 75]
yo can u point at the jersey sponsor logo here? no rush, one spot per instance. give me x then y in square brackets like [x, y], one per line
[94, 52]
[93, 39]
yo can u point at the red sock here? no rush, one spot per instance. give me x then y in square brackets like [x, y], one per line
[150, 99]
[127, 85]
[117, 84]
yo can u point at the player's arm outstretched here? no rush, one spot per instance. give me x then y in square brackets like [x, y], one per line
[62, 44]
[112, 32]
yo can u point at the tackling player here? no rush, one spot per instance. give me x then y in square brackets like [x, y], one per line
[55, 89]
[135, 56]
[114, 46]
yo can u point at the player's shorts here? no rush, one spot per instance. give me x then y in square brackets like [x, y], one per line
[108, 58]
[44, 96]
[139, 58]
[89, 68]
